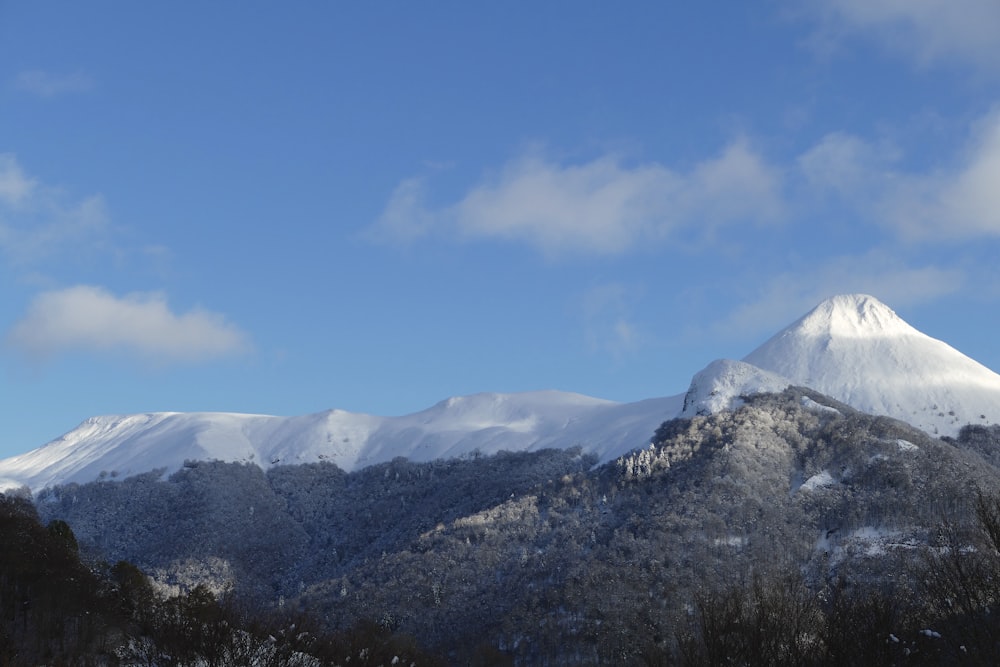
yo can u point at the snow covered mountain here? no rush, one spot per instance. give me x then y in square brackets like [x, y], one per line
[852, 348]
[855, 349]
[119, 446]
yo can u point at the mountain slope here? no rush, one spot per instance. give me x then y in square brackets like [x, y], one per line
[120, 446]
[857, 350]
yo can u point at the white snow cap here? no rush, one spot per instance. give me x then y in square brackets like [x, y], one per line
[855, 349]
[851, 316]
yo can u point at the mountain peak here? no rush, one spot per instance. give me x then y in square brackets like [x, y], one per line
[852, 316]
[855, 349]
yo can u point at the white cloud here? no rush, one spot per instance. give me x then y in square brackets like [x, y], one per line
[924, 30]
[605, 207]
[958, 202]
[594, 207]
[969, 199]
[47, 84]
[597, 207]
[789, 295]
[88, 318]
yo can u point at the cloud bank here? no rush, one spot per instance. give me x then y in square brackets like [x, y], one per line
[91, 319]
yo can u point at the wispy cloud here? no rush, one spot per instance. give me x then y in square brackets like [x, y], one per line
[91, 319]
[38, 222]
[787, 295]
[958, 201]
[55, 228]
[925, 31]
[843, 164]
[405, 218]
[968, 199]
[600, 207]
[608, 321]
[48, 84]
[15, 186]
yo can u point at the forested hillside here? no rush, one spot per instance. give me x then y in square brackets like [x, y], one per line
[793, 499]
[56, 609]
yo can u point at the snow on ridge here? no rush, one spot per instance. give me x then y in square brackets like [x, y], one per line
[720, 385]
[115, 446]
[122, 445]
[518, 411]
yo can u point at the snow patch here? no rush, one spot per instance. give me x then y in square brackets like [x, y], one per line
[734, 541]
[820, 480]
[868, 541]
[874, 541]
[813, 406]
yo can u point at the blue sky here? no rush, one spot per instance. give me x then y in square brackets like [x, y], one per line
[276, 208]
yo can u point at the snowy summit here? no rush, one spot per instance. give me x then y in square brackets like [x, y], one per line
[855, 349]
[852, 348]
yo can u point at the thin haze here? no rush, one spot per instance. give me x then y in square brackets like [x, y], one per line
[278, 209]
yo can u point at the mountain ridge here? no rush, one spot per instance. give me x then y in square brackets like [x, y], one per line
[852, 348]
[115, 446]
